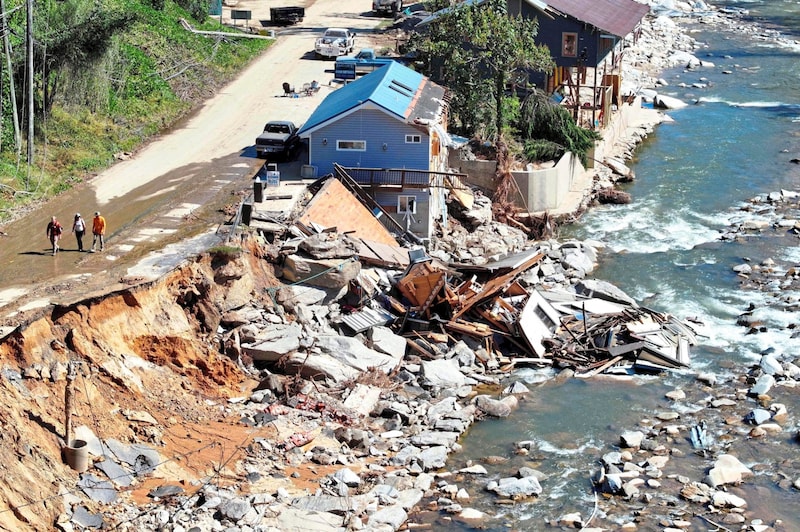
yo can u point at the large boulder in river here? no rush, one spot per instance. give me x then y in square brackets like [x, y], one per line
[727, 470]
[668, 102]
[515, 488]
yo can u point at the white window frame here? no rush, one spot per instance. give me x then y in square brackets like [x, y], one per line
[413, 139]
[406, 199]
[340, 142]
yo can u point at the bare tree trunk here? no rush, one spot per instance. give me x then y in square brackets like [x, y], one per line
[12, 92]
[29, 55]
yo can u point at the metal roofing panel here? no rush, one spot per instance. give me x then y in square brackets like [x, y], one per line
[391, 87]
[618, 17]
[366, 319]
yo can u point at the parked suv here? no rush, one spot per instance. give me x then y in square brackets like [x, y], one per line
[387, 7]
[279, 138]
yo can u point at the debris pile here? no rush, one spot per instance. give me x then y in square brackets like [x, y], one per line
[522, 302]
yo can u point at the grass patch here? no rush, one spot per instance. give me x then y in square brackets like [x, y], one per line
[153, 73]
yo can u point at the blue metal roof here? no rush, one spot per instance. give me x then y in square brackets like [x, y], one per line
[391, 87]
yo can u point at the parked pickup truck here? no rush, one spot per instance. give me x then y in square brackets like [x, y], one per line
[279, 138]
[387, 7]
[335, 42]
[286, 15]
[363, 62]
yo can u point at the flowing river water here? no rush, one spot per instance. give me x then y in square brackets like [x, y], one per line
[693, 176]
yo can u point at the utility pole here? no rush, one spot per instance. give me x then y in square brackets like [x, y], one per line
[71, 374]
[29, 55]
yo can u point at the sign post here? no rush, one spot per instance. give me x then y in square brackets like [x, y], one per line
[238, 14]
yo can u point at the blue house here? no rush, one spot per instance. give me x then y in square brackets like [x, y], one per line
[388, 129]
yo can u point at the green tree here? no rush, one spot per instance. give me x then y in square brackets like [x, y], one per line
[72, 35]
[476, 50]
[549, 130]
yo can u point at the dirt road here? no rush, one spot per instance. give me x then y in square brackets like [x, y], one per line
[163, 204]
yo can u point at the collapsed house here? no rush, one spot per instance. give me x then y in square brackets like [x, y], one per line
[513, 307]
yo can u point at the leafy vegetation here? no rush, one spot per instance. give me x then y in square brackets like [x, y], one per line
[482, 38]
[108, 75]
[549, 130]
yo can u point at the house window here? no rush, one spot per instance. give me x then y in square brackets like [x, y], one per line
[607, 43]
[569, 44]
[351, 145]
[413, 139]
[406, 205]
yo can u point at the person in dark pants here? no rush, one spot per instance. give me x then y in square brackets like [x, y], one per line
[98, 231]
[79, 228]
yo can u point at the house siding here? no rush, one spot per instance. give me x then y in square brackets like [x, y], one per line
[420, 223]
[551, 30]
[376, 128]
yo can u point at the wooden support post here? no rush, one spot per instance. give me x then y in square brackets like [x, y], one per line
[71, 374]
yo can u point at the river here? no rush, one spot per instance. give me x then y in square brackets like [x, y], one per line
[694, 175]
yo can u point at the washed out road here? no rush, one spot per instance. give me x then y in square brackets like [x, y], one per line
[162, 204]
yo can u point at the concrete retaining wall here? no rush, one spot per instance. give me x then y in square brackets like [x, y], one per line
[548, 189]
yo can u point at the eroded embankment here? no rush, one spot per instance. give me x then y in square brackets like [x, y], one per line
[149, 350]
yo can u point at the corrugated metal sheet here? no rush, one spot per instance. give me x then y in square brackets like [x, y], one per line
[391, 87]
[366, 319]
[617, 17]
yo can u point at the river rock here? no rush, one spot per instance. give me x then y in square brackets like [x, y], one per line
[697, 492]
[668, 102]
[235, 509]
[347, 477]
[383, 340]
[432, 458]
[495, 407]
[572, 520]
[444, 373]
[758, 416]
[471, 513]
[727, 470]
[515, 488]
[676, 395]
[476, 469]
[707, 378]
[631, 438]
[770, 365]
[393, 516]
[297, 519]
[273, 342]
[724, 499]
[763, 385]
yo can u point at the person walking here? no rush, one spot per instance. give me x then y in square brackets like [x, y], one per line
[54, 231]
[79, 228]
[98, 231]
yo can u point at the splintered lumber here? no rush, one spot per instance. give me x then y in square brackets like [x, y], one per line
[419, 349]
[600, 368]
[477, 330]
[495, 285]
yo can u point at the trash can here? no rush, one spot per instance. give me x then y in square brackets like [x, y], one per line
[258, 191]
[247, 212]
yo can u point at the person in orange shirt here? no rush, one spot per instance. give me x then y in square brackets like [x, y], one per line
[98, 231]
